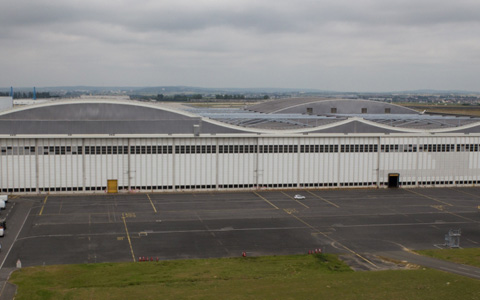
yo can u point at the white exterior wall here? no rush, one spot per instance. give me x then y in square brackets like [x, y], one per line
[6, 103]
[17, 164]
[431, 167]
[234, 169]
[155, 164]
[277, 169]
[195, 168]
[149, 170]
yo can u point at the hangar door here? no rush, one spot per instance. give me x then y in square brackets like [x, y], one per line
[393, 180]
[112, 186]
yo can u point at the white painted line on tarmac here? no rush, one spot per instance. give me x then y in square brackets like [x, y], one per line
[18, 233]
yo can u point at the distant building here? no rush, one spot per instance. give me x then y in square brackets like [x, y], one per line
[98, 145]
[6, 103]
[17, 102]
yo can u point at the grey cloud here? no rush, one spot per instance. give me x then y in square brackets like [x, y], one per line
[247, 39]
[261, 16]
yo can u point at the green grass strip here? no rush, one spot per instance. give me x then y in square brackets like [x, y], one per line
[467, 256]
[273, 277]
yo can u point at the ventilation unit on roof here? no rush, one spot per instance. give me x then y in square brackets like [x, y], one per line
[196, 130]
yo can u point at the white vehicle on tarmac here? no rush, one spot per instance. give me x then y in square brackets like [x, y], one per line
[4, 198]
[2, 232]
[2, 204]
[299, 197]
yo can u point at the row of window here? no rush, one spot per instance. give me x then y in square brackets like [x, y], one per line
[17, 150]
[440, 182]
[192, 149]
[359, 148]
[233, 186]
[333, 110]
[431, 148]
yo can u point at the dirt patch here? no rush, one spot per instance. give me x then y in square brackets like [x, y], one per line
[370, 262]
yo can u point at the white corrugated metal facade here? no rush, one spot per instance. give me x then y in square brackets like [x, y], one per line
[82, 146]
[41, 165]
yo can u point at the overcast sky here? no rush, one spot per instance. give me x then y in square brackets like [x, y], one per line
[343, 45]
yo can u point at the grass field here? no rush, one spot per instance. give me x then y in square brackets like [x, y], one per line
[467, 256]
[470, 110]
[280, 277]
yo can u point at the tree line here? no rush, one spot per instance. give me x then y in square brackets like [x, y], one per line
[193, 97]
[27, 95]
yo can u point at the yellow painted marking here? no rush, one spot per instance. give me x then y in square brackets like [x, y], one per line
[462, 217]
[120, 238]
[323, 199]
[442, 208]
[295, 199]
[44, 202]
[290, 210]
[323, 233]
[439, 207]
[154, 209]
[478, 196]
[328, 237]
[128, 236]
[129, 215]
[431, 198]
[143, 233]
[266, 200]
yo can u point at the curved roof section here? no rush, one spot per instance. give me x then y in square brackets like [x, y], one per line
[380, 115]
[96, 111]
[271, 106]
[322, 106]
[356, 126]
[104, 117]
[107, 117]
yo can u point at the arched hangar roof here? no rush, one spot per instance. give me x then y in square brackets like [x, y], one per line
[322, 106]
[107, 117]
[321, 115]
[104, 117]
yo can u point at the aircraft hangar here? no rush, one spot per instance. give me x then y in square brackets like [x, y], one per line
[99, 146]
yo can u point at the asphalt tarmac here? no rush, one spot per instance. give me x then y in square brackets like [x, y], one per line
[67, 229]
